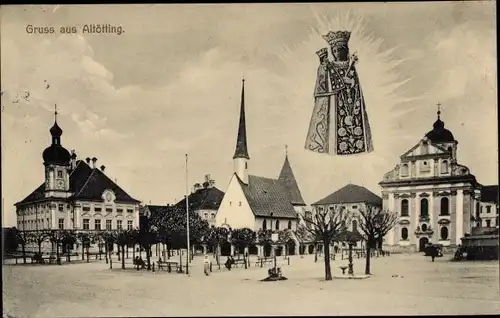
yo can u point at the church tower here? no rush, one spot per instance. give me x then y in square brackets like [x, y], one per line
[241, 157]
[56, 160]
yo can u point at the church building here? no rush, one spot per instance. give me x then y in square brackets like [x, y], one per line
[76, 195]
[259, 203]
[434, 195]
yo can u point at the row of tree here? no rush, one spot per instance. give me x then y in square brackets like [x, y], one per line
[169, 228]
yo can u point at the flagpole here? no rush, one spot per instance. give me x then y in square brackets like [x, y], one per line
[187, 218]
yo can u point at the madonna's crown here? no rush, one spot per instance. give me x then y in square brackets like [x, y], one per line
[337, 37]
[322, 53]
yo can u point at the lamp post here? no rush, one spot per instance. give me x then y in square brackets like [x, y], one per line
[187, 219]
[351, 266]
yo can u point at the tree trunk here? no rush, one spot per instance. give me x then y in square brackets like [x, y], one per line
[24, 252]
[110, 259]
[40, 248]
[368, 257]
[118, 252]
[133, 251]
[328, 269]
[126, 246]
[123, 256]
[68, 255]
[83, 251]
[148, 256]
[106, 252]
[88, 260]
[168, 251]
[58, 260]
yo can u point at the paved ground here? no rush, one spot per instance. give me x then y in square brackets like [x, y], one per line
[422, 287]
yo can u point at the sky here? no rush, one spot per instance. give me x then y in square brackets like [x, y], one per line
[170, 85]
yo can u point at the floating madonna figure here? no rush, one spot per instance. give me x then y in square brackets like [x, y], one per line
[339, 123]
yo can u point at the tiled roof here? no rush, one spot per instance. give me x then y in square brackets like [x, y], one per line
[288, 179]
[203, 199]
[489, 193]
[86, 184]
[351, 193]
[266, 196]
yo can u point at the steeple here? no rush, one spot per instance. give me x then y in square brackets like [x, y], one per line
[241, 157]
[241, 150]
[288, 179]
[56, 153]
[439, 134]
[56, 131]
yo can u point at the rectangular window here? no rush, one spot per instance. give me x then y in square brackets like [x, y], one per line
[61, 207]
[97, 209]
[130, 225]
[59, 174]
[130, 210]
[354, 206]
[108, 225]
[119, 225]
[61, 224]
[97, 224]
[48, 223]
[86, 209]
[86, 224]
[213, 215]
[119, 210]
[205, 215]
[109, 210]
[488, 209]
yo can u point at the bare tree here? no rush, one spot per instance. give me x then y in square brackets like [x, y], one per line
[375, 223]
[325, 225]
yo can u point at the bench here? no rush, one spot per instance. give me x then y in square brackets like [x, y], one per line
[264, 260]
[343, 268]
[168, 265]
[239, 261]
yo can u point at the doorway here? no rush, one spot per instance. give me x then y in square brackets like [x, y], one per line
[422, 243]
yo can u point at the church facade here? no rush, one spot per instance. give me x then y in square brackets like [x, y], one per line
[75, 195]
[434, 195]
[255, 202]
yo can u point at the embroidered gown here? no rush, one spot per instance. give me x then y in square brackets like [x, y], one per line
[339, 122]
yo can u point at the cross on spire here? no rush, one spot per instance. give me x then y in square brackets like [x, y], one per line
[286, 150]
[439, 109]
[55, 112]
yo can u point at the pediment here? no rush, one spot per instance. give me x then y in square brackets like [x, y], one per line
[424, 195]
[86, 214]
[444, 221]
[129, 216]
[97, 214]
[404, 222]
[416, 150]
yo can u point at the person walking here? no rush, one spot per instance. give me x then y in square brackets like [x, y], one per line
[206, 265]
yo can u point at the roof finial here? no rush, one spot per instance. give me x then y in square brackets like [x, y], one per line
[439, 110]
[55, 113]
[286, 150]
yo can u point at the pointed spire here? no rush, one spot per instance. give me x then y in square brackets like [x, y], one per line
[241, 142]
[288, 179]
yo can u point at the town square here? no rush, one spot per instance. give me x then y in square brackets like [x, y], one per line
[197, 163]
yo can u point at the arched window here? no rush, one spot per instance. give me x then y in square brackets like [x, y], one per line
[404, 170]
[404, 234]
[277, 224]
[424, 208]
[289, 225]
[445, 206]
[264, 224]
[354, 225]
[444, 233]
[444, 166]
[343, 225]
[404, 207]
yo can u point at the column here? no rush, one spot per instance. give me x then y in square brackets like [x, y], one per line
[53, 216]
[459, 224]
[78, 216]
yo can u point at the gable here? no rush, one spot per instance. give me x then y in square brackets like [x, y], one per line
[420, 150]
[230, 211]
